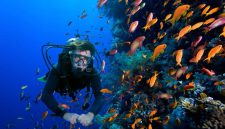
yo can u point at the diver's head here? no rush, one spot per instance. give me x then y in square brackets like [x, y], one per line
[81, 54]
[80, 59]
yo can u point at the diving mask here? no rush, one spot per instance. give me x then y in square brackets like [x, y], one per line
[80, 59]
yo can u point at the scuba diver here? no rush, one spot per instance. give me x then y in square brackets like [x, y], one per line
[74, 71]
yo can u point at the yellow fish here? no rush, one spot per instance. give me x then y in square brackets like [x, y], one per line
[181, 10]
[213, 52]
[183, 31]
[157, 51]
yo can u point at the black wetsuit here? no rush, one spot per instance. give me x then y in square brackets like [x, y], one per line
[55, 83]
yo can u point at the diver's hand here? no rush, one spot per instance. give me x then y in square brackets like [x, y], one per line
[86, 119]
[71, 117]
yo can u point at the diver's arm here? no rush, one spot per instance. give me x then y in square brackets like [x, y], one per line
[47, 94]
[98, 102]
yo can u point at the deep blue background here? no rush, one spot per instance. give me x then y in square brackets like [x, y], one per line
[24, 27]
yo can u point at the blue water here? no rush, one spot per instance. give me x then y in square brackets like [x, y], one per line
[24, 27]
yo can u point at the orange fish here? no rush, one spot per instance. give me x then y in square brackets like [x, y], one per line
[133, 26]
[223, 33]
[168, 16]
[171, 71]
[205, 10]
[179, 55]
[126, 1]
[154, 119]
[212, 11]
[150, 23]
[162, 35]
[196, 26]
[104, 90]
[173, 104]
[208, 21]
[176, 2]
[153, 112]
[135, 122]
[112, 52]
[122, 78]
[183, 31]
[189, 14]
[128, 115]
[157, 51]
[165, 2]
[138, 78]
[44, 115]
[136, 43]
[221, 15]
[164, 96]
[190, 86]
[65, 106]
[111, 110]
[112, 118]
[218, 83]
[153, 79]
[213, 52]
[181, 71]
[161, 25]
[134, 10]
[150, 126]
[198, 56]
[201, 6]
[182, 9]
[188, 75]
[208, 72]
[166, 120]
